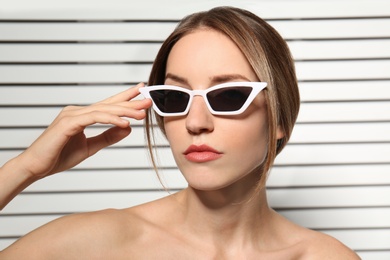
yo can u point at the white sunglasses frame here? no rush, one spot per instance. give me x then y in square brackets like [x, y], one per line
[257, 87]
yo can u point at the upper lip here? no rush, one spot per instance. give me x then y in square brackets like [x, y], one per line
[200, 148]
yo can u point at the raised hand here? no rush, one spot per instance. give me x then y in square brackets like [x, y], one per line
[63, 144]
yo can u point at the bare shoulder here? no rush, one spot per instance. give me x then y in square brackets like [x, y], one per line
[87, 234]
[304, 243]
[322, 246]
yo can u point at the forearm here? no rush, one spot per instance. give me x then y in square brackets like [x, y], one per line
[13, 180]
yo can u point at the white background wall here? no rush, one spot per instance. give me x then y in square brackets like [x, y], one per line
[334, 176]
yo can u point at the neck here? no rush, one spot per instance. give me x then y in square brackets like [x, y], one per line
[226, 216]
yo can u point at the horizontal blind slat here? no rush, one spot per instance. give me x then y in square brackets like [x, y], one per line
[329, 175]
[344, 112]
[280, 177]
[340, 49]
[319, 154]
[341, 132]
[330, 197]
[146, 179]
[58, 95]
[124, 73]
[104, 52]
[302, 134]
[122, 10]
[340, 218]
[88, 73]
[309, 113]
[333, 29]
[110, 180]
[142, 52]
[102, 31]
[79, 94]
[148, 31]
[344, 90]
[335, 70]
[335, 154]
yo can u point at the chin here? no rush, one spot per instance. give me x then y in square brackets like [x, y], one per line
[206, 183]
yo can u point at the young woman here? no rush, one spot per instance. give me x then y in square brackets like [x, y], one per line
[225, 92]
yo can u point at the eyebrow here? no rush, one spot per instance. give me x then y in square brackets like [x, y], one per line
[228, 77]
[176, 78]
[214, 80]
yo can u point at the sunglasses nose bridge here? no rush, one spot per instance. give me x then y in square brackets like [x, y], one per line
[201, 94]
[197, 92]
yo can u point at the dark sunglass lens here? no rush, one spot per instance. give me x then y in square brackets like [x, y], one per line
[228, 99]
[170, 101]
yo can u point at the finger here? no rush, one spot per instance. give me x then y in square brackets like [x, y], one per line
[134, 104]
[122, 99]
[134, 109]
[137, 104]
[126, 95]
[107, 138]
[72, 125]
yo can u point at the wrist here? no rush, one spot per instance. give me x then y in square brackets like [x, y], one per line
[19, 168]
[13, 180]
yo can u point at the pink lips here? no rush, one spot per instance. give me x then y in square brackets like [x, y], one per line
[201, 153]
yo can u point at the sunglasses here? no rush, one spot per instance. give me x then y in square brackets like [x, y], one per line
[230, 98]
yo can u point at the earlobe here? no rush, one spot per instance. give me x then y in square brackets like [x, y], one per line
[280, 142]
[279, 133]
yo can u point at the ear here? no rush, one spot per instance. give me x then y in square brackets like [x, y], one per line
[279, 133]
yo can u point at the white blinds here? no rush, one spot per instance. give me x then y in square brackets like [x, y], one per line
[334, 176]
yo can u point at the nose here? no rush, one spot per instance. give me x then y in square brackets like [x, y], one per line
[199, 119]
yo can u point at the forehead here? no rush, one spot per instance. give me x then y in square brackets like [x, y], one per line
[206, 53]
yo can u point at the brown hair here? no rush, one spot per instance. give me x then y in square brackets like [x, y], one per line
[266, 52]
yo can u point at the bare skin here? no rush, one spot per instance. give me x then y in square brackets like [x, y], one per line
[64, 145]
[161, 230]
[218, 216]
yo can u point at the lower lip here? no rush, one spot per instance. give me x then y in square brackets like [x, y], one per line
[202, 156]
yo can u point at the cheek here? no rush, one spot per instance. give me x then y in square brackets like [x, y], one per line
[173, 131]
[255, 138]
[251, 136]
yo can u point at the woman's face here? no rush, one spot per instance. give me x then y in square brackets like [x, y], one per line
[214, 152]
